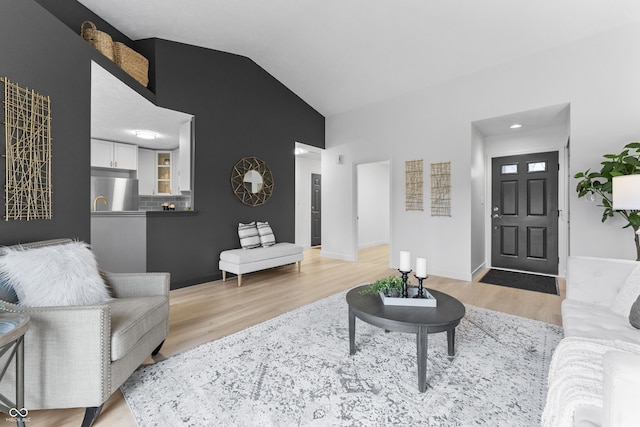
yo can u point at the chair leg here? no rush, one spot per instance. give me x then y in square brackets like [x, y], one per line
[91, 415]
[157, 350]
[224, 276]
[239, 279]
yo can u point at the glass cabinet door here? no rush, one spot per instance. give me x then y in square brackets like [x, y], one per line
[163, 172]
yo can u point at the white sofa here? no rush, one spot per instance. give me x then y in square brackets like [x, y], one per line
[594, 376]
[241, 261]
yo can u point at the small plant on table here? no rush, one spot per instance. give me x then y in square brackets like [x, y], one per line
[390, 286]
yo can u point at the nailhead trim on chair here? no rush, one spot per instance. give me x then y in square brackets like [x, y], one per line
[105, 390]
[102, 349]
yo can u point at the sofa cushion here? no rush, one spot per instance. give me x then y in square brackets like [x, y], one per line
[627, 294]
[267, 238]
[240, 256]
[132, 318]
[582, 319]
[587, 416]
[596, 280]
[57, 275]
[634, 314]
[248, 234]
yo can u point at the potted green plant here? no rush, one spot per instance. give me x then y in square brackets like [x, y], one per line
[390, 286]
[600, 183]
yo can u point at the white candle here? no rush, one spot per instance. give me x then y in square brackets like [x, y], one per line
[405, 261]
[421, 267]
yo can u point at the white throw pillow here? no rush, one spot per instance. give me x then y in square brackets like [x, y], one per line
[627, 295]
[267, 238]
[57, 275]
[248, 234]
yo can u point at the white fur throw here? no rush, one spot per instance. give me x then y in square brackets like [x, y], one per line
[575, 377]
[57, 275]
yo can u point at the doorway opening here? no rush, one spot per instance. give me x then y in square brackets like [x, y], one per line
[316, 210]
[522, 246]
[308, 201]
[373, 205]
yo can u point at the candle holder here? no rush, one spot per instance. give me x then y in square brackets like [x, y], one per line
[420, 288]
[405, 277]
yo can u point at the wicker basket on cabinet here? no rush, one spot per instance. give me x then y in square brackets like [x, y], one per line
[136, 65]
[98, 39]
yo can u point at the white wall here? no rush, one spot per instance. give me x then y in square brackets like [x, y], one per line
[598, 76]
[304, 168]
[373, 204]
[478, 204]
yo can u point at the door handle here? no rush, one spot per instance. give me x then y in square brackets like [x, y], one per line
[496, 216]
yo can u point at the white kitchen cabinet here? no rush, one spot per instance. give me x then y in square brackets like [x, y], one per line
[164, 172]
[157, 172]
[101, 153]
[107, 154]
[146, 172]
[125, 156]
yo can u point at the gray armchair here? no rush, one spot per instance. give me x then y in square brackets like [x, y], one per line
[78, 356]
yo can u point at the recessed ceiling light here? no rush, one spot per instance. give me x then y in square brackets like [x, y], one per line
[146, 134]
[515, 126]
[299, 151]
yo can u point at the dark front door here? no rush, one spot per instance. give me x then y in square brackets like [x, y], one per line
[524, 212]
[315, 210]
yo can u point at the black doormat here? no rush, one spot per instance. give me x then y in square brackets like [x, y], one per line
[526, 281]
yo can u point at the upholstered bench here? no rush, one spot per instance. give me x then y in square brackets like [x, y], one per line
[240, 261]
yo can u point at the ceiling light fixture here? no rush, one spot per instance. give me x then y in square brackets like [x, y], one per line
[146, 134]
[299, 151]
[515, 126]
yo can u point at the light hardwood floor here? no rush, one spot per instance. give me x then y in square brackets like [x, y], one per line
[208, 311]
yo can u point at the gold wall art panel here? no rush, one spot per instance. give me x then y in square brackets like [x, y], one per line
[251, 181]
[27, 124]
[414, 185]
[441, 189]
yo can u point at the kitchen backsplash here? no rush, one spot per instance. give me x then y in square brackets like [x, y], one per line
[153, 203]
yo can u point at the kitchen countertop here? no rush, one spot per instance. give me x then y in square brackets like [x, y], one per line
[142, 213]
[171, 213]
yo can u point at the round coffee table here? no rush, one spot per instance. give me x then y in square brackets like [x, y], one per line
[421, 321]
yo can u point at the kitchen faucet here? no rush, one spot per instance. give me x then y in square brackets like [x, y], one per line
[95, 202]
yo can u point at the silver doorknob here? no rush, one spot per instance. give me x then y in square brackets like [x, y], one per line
[495, 215]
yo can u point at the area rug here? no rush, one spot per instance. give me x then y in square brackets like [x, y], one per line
[295, 370]
[526, 281]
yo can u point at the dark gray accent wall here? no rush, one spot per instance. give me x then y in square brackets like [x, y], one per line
[73, 14]
[39, 52]
[240, 110]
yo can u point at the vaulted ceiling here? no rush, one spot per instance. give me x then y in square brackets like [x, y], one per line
[341, 54]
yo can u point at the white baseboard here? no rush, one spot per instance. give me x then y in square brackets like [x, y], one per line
[477, 270]
[370, 245]
[332, 255]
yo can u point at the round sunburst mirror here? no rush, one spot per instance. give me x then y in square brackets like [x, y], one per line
[251, 181]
